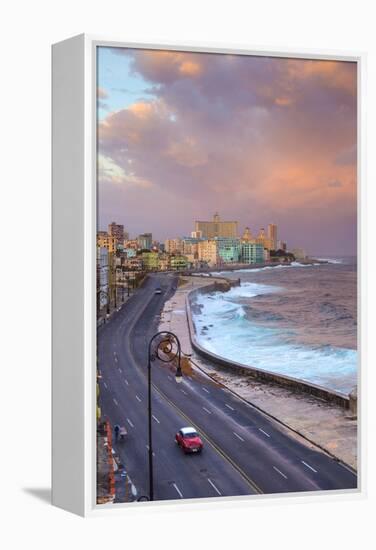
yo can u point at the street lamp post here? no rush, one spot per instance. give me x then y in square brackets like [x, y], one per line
[164, 346]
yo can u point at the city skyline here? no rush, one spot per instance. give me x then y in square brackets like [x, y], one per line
[182, 135]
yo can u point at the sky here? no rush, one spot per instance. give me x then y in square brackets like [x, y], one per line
[258, 139]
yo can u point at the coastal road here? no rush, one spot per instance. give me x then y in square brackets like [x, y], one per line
[245, 452]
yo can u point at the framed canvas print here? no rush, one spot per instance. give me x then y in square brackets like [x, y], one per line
[205, 275]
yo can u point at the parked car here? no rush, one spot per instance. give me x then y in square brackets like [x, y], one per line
[189, 440]
[158, 291]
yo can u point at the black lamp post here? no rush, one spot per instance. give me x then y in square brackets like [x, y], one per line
[164, 346]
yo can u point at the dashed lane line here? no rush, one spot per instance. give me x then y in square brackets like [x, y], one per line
[114, 400]
[138, 399]
[206, 410]
[280, 473]
[265, 433]
[155, 418]
[238, 436]
[130, 423]
[308, 466]
[105, 385]
[229, 407]
[126, 381]
[214, 487]
[178, 490]
[185, 393]
[207, 391]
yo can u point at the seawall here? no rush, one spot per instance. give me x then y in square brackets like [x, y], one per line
[293, 384]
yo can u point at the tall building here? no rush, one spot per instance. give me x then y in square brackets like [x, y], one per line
[102, 276]
[208, 252]
[228, 249]
[264, 240]
[252, 253]
[247, 235]
[272, 235]
[104, 240]
[116, 230]
[217, 228]
[145, 241]
[282, 245]
[174, 246]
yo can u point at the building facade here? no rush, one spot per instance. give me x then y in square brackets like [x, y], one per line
[208, 252]
[272, 235]
[216, 228]
[116, 230]
[252, 253]
[229, 250]
[145, 241]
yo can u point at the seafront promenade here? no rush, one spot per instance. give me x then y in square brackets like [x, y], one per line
[312, 420]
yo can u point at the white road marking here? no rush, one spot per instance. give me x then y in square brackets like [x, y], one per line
[280, 473]
[119, 369]
[126, 381]
[116, 359]
[130, 423]
[138, 399]
[155, 418]
[207, 391]
[178, 490]
[207, 410]
[105, 385]
[308, 466]
[238, 436]
[262, 431]
[189, 377]
[229, 407]
[114, 400]
[224, 389]
[214, 487]
[185, 393]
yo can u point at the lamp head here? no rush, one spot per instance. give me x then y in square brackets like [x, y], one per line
[179, 375]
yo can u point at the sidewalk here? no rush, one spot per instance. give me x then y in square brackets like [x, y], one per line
[321, 423]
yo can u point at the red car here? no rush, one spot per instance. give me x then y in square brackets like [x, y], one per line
[189, 440]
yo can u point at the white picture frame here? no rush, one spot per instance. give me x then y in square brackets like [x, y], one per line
[73, 289]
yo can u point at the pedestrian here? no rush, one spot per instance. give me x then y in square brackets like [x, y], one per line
[116, 430]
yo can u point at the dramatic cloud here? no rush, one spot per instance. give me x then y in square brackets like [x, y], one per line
[259, 139]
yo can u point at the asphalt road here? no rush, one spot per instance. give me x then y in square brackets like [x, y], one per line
[245, 452]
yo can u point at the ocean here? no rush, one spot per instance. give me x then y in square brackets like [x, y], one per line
[298, 320]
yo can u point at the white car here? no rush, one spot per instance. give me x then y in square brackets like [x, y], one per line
[158, 291]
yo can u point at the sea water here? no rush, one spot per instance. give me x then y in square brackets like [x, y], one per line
[298, 320]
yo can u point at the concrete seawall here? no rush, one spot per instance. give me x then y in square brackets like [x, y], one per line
[265, 376]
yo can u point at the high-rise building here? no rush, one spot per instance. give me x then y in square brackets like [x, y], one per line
[272, 235]
[264, 240]
[228, 249]
[116, 230]
[174, 246]
[208, 252]
[252, 253]
[104, 240]
[145, 241]
[217, 228]
[247, 235]
[281, 245]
